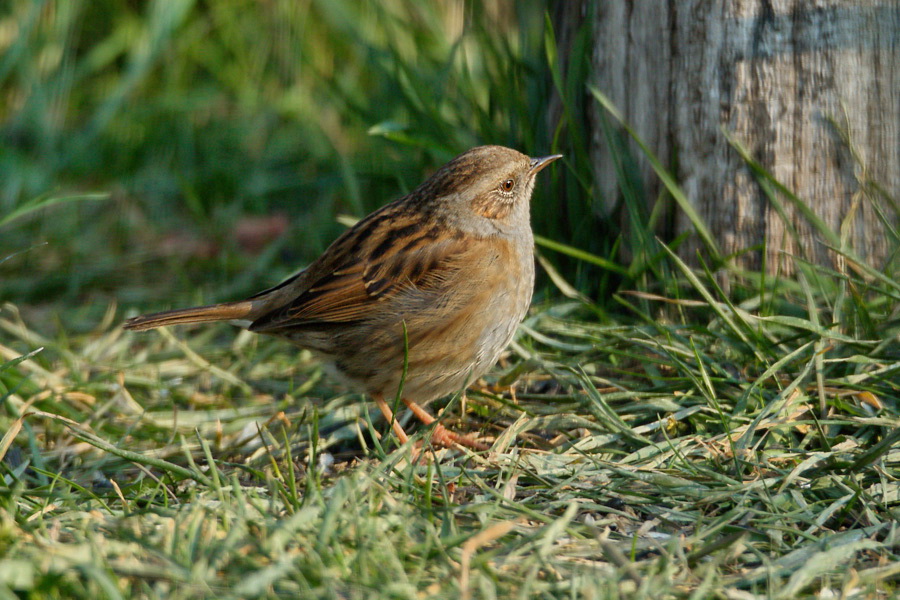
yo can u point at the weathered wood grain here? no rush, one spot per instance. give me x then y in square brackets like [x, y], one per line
[792, 80]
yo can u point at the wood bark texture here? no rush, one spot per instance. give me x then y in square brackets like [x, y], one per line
[810, 87]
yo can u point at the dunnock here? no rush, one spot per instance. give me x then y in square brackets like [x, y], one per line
[440, 278]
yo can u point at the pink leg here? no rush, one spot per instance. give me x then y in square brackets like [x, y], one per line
[441, 436]
[389, 415]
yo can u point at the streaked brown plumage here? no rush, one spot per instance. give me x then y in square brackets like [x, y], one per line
[452, 261]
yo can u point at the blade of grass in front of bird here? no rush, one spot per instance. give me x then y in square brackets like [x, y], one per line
[580, 255]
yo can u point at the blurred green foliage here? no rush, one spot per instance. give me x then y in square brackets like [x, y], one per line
[198, 115]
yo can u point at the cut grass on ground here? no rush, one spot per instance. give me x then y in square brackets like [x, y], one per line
[707, 449]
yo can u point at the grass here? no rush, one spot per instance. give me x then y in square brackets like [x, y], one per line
[690, 432]
[687, 452]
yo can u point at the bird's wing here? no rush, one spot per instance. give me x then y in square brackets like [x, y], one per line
[385, 257]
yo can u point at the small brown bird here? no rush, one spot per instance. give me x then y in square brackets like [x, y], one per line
[441, 277]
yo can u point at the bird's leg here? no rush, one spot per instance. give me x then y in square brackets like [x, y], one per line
[441, 436]
[389, 415]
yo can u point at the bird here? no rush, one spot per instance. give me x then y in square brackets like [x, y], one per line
[416, 300]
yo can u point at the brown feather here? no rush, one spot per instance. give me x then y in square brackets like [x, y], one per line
[347, 293]
[199, 314]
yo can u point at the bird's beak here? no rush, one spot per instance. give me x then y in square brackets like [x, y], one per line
[539, 163]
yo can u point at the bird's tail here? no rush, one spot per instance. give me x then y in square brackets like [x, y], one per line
[198, 314]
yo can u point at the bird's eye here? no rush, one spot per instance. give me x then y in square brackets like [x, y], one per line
[508, 185]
